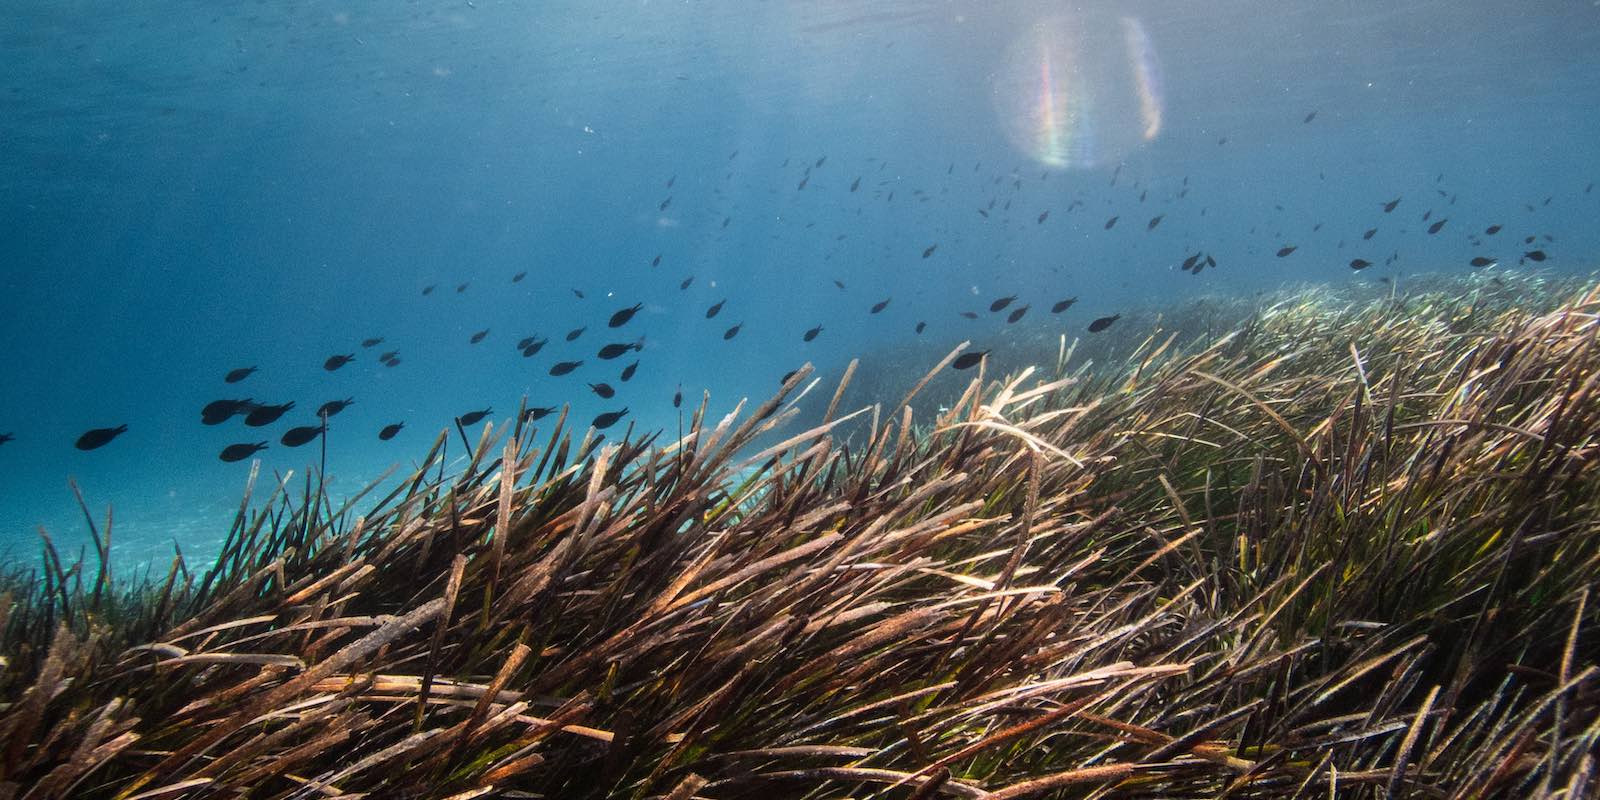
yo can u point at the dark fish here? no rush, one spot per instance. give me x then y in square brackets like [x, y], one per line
[240, 452]
[1371, 232]
[1392, 204]
[880, 305]
[217, 412]
[616, 349]
[473, 417]
[969, 360]
[392, 362]
[686, 282]
[536, 413]
[389, 355]
[1042, 216]
[1309, 117]
[621, 318]
[822, 161]
[1111, 223]
[1286, 250]
[1535, 255]
[579, 293]
[6, 437]
[517, 278]
[812, 334]
[333, 407]
[573, 334]
[627, 372]
[534, 347]
[462, 287]
[234, 376]
[1017, 314]
[803, 182]
[335, 362]
[99, 437]
[1492, 230]
[1063, 305]
[1001, 303]
[1437, 226]
[266, 415]
[984, 213]
[603, 389]
[928, 251]
[524, 342]
[731, 332]
[478, 337]
[838, 283]
[564, 367]
[970, 314]
[677, 398]
[855, 184]
[427, 290]
[665, 203]
[1103, 323]
[1189, 262]
[609, 418]
[372, 342]
[715, 309]
[390, 430]
[294, 437]
[1154, 221]
[1360, 264]
[921, 326]
[1482, 261]
[655, 262]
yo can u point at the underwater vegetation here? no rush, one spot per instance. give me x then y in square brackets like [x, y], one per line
[1347, 549]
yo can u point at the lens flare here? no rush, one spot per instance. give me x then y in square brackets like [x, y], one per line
[1079, 92]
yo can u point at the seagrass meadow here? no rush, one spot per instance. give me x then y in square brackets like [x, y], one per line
[1346, 550]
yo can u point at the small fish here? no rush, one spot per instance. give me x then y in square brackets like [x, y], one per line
[1482, 261]
[617, 349]
[335, 362]
[1392, 204]
[392, 362]
[970, 314]
[821, 161]
[969, 360]
[564, 367]
[1103, 323]
[838, 283]
[1063, 305]
[715, 309]
[266, 415]
[389, 431]
[478, 337]
[1535, 255]
[1286, 250]
[677, 398]
[664, 203]
[1371, 232]
[1154, 221]
[1437, 226]
[6, 437]
[921, 326]
[372, 342]
[463, 287]
[517, 278]
[1000, 304]
[234, 376]
[1309, 117]
[812, 334]
[578, 292]
[928, 251]
[880, 305]
[621, 318]
[627, 372]
[655, 262]
[1491, 230]
[295, 437]
[1111, 223]
[217, 412]
[99, 437]
[1360, 264]
[389, 355]
[731, 332]
[603, 389]
[606, 420]
[524, 342]
[427, 290]
[534, 347]
[573, 334]
[803, 182]
[855, 184]
[473, 417]
[333, 407]
[240, 452]
[686, 283]
[1042, 216]
[537, 413]
[1189, 262]
[1016, 314]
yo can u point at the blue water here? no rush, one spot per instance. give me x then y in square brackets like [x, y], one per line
[188, 187]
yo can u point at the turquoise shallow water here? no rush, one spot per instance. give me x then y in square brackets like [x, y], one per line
[187, 190]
